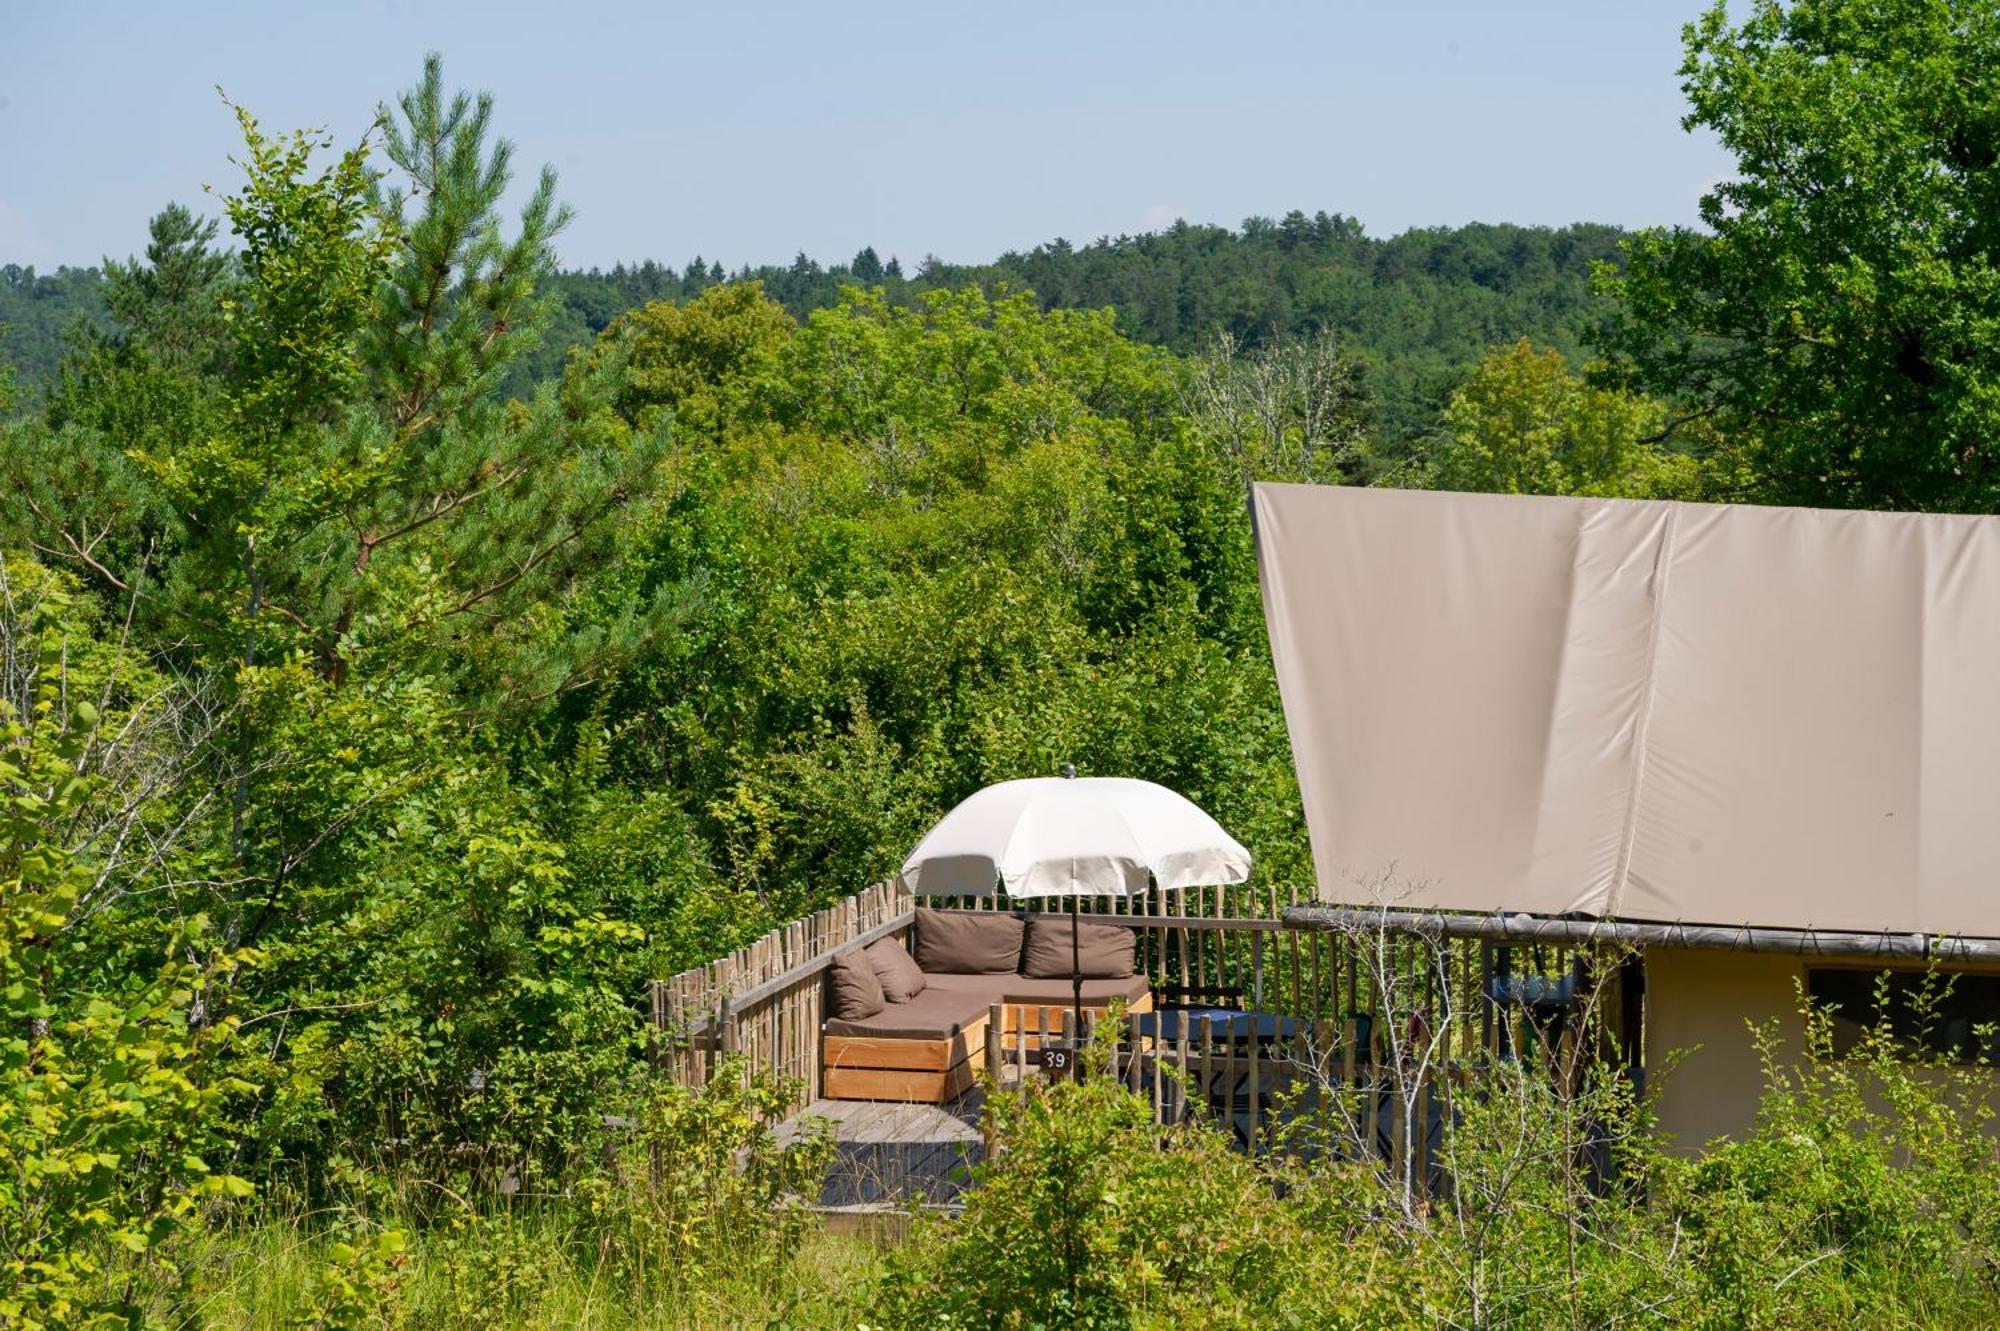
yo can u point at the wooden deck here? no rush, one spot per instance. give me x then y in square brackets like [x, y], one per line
[890, 1154]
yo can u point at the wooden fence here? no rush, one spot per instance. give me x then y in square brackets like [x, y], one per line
[1466, 1001]
[765, 1001]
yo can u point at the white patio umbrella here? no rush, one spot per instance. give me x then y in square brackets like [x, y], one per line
[1074, 837]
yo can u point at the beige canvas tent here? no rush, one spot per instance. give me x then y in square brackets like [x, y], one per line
[1781, 723]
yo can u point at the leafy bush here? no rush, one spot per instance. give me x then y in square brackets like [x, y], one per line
[1867, 1194]
[702, 1211]
[111, 1105]
[719, 1191]
[1089, 1215]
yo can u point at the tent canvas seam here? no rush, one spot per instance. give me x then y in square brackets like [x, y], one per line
[1562, 681]
[1662, 574]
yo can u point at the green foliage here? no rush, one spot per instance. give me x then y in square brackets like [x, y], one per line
[694, 1212]
[530, 1267]
[111, 1105]
[175, 303]
[1085, 1218]
[1525, 423]
[937, 547]
[40, 313]
[1837, 315]
[1864, 1196]
[1866, 1190]
[252, 489]
[459, 685]
[365, 560]
[354, 1288]
[1418, 307]
[718, 1192]
[677, 357]
[461, 302]
[313, 253]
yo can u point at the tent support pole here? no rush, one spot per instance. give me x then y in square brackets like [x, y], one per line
[1503, 928]
[1076, 987]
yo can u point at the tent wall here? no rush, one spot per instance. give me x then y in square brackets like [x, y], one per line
[1649, 711]
[1699, 1008]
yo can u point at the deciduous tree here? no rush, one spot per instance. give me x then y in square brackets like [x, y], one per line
[1839, 312]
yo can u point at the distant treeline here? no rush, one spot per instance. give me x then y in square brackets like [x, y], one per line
[1418, 308]
[37, 309]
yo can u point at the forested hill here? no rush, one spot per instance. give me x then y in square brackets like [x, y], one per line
[1418, 307]
[37, 309]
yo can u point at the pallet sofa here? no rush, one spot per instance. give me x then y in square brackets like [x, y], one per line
[911, 1024]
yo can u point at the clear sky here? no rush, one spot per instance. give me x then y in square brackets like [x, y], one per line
[748, 131]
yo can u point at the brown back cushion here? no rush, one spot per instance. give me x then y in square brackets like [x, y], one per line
[901, 980]
[978, 943]
[857, 992]
[1104, 950]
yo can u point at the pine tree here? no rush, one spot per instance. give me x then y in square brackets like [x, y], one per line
[172, 304]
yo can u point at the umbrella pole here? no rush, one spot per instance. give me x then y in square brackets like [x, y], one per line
[1076, 986]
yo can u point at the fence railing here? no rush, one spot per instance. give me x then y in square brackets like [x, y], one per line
[765, 1001]
[1348, 1084]
[1355, 1001]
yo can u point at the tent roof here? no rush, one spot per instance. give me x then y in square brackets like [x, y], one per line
[1651, 711]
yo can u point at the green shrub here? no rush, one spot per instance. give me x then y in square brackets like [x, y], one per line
[1087, 1214]
[111, 1111]
[711, 1189]
[1867, 1194]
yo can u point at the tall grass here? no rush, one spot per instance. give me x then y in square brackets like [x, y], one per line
[1866, 1194]
[530, 1269]
[701, 1220]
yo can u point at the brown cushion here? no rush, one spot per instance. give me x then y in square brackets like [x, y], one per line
[1104, 951]
[972, 943]
[1096, 993]
[857, 991]
[901, 980]
[935, 1014]
[987, 989]
[1013, 988]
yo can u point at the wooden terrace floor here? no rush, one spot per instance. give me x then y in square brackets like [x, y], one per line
[890, 1154]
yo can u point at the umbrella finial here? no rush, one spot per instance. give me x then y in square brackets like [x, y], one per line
[1069, 771]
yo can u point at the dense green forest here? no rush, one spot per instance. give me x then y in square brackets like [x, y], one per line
[39, 312]
[1417, 308]
[407, 649]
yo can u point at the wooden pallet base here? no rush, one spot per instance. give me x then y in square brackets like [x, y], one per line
[1036, 1017]
[868, 1067]
[874, 1051]
[931, 1088]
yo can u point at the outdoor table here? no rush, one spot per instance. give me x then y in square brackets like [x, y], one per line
[1168, 1025]
[1228, 1096]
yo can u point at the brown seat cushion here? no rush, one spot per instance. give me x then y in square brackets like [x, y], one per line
[989, 989]
[1104, 951]
[901, 980]
[1012, 988]
[971, 943]
[1096, 993]
[935, 1014]
[857, 990]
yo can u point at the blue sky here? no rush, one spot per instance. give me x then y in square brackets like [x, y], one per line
[746, 132]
